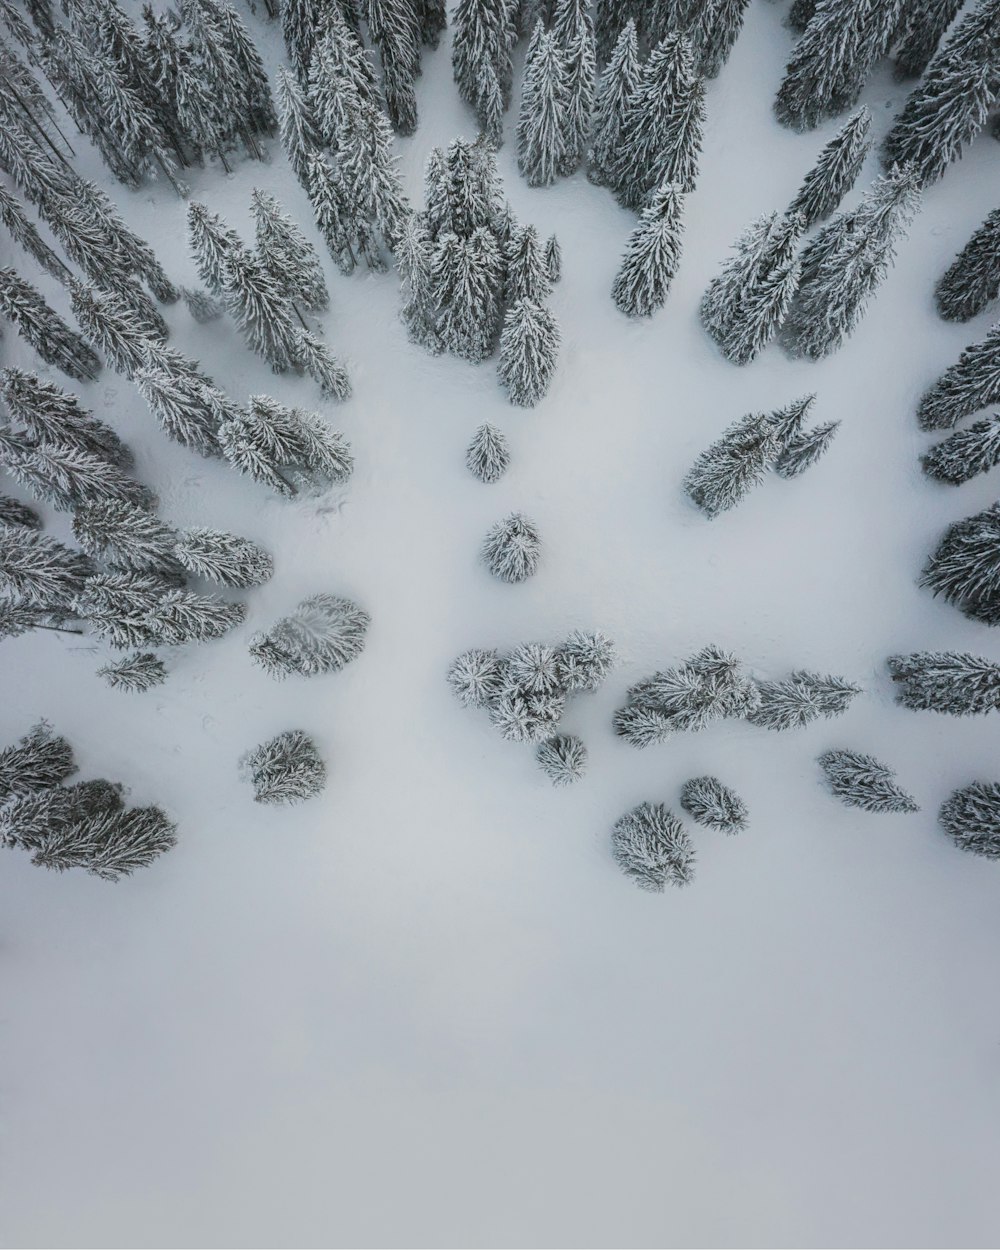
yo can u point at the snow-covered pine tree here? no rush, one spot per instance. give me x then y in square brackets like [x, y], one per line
[613, 104]
[67, 477]
[832, 60]
[414, 257]
[967, 386]
[965, 567]
[323, 634]
[301, 25]
[541, 125]
[845, 263]
[526, 717]
[286, 769]
[562, 758]
[313, 355]
[328, 198]
[922, 24]
[39, 761]
[251, 93]
[714, 805]
[512, 548]
[652, 255]
[263, 315]
[973, 279]
[287, 254]
[466, 280]
[952, 682]
[710, 685]
[734, 464]
[134, 673]
[116, 605]
[860, 780]
[553, 258]
[432, 17]
[394, 28]
[43, 328]
[584, 660]
[212, 245]
[952, 103]
[272, 443]
[24, 233]
[714, 32]
[199, 113]
[966, 453]
[181, 616]
[52, 415]
[184, 407]
[835, 172]
[573, 28]
[297, 125]
[971, 818]
[111, 325]
[13, 512]
[476, 677]
[40, 571]
[611, 18]
[652, 847]
[803, 448]
[800, 699]
[224, 558]
[485, 32]
[526, 271]
[128, 537]
[529, 348]
[109, 844]
[488, 455]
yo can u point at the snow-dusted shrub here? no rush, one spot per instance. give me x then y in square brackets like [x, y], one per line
[651, 846]
[476, 676]
[563, 758]
[512, 548]
[860, 780]
[714, 804]
[324, 633]
[286, 769]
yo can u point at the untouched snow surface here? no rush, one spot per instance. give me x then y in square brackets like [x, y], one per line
[427, 1008]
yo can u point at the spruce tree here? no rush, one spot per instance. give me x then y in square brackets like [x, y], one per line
[297, 126]
[562, 758]
[733, 465]
[43, 328]
[652, 255]
[652, 847]
[286, 769]
[951, 682]
[485, 32]
[414, 257]
[323, 634]
[800, 699]
[112, 326]
[40, 571]
[273, 444]
[584, 660]
[709, 686]
[322, 366]
[466, 280]
[553, 258]
[67, 477]
[611, 18]
[38, 761]
[527, 272]
[573, 28]
[529, 347]
[13, 512]
[52, 415]
[181, 616]
[541, 126]
[186, 410]
[845, 263]
[966, 387]
[613, 104]
[394, 28]
[971, 818]
[803, 448]
[488, 456]
[973, 279]
[965, 567]
[715, 805]
[127, 537]
[108, 844]
[476, 677]
[953, 101]
[714, 33]
[135, 673]
[202, 307]
[226, 559]
[287, 254]
[860, 780]
[966, 453]
[512, 548]
[432, 19]
[24, 233]
[755, 309]
[262, 314]
[328, 198]
[835, 171]
[117, 605]
[921, 27]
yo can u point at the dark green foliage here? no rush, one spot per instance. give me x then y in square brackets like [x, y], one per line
[714, 805]
[971, 818]
[286, 769]
[860, 780]
[952, 682]
[651, 846]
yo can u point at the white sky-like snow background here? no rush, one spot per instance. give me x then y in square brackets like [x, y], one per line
[426, 1008]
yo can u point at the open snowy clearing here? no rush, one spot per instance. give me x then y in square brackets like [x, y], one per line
[426, 1008]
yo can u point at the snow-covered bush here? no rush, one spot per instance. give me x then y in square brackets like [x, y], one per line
[324, 633]
[563, 758]
[511, 550]
[286, 769]
[971, 818]
[651, 846]
[860, 780]
[715, 805]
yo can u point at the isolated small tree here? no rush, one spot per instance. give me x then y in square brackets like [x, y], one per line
[970, 384]
[488, 455]
[43, 328]
[965, 567]
[922, 24]
[541, 126]
[529, 346]
[286, 769]
[802, 449]
[652, 255]
[859, 780]
[39, 570]
[973, 279]
[127, 536]
[584, 660]
[971, 818]
[733, 465]
[137, 672]
[835, 172]
[52, 415]
[38, 761]
[714, 805]
[324, 633]
[287, 254]
[562, 758]
[802, 698]
[651, 846]
[476, 677]
[223, 558]
[615, 93]
[512, 548]
[966, 453]
[952, 682]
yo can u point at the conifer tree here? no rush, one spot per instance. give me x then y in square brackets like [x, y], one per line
[803, 448]
[527, 272]
[613, 104]
[845, 263]
[973, 279]
[970, 384]
[301, 20]
[922, 24]
[394, 28]
[573, 28]
[835, 171]
[611, 18]
[414, 257]
[52, 415]
[261, 312]
[714, 32]
[213, 245]
[323, 634]
[710, 685]
[541, 126]
[297, 126]
[715, 805]
[971, 818]
[181, 616]
[553, 258]
[111, 325]
[271, 443]
[117, 605]
[860, 780]
[134, 673]
[729, 469]
[952, 682]
[512, 548]
[40, 571]
[800, 699]
[953, 101]
[488, 455]
[476, 677]
[287, 254]
[432, 19]
[966, 453]
[24, 233]
[187, 411]
[563, 758]
[583, 660]
[485, 34]
[43, 328]
[109, 844]
[13, 512]
[287, 769]
[202, 307]
[327, 195]
[965, 567]
[322, 366]
[652, 255]
[198, 111]
[67, 477]
[251, 91]
[38, 761]
[466, 278]
[652, 847]
[529, 347]
[129, 537]
[224, 558]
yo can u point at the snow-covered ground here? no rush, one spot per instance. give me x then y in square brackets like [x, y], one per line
[426, 1008]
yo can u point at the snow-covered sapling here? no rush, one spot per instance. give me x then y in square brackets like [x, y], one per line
[800, 699]
[488, 456]
[584, 660]
[137, 672]
[324, 633]
[563, 758]
[553, 258]
[476, 677]
[715, 805]
[286, 769]
[651, 846]
[971, 818]
[512, 548]
[952, 682]
[860, 780]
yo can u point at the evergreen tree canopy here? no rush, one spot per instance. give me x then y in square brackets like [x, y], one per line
[973, 280]
[952, 682]
[652, 847]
